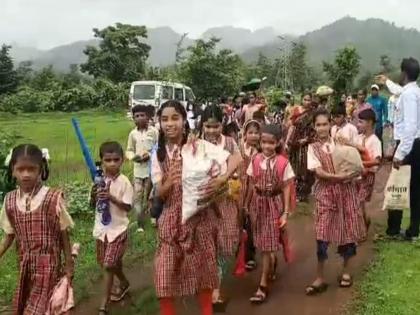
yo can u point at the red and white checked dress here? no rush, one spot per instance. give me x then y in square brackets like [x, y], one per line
[227, 213]
[338, 216]
[366, 185]
[266, 211]
[185, 262]
[38, 237]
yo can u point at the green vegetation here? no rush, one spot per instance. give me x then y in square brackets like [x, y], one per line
[390, 285]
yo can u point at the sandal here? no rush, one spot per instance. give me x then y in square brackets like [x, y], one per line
[219, 306]
[312, 290]
[250, 265]
[118, 296]
[103, 311]
[345, 281]
[260, 296]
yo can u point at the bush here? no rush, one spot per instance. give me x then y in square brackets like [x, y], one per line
[77, 196]
[7, 141]
[109, 95]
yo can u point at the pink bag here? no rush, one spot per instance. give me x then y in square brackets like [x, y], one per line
[62, 299]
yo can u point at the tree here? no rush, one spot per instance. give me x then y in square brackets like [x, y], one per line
[210, 73]
[24, 72]
[386, 64]
[299, 70]
[264, 67]
[121, 56]
[344, 69]
[8, 75]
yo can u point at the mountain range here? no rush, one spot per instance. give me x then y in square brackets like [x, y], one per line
[372, 38]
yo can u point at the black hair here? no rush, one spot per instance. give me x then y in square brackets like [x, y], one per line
[339, 110]
[180, 109]
[110, 147]
[245, 100]
[223, 100]
[34, 153]
[253, 94]
[321, 112]
[140, 109]
[275, 131]
[364, 91]
[211, 112]
[411, 68]
[252, 123]
[368, 114]
[307, 93]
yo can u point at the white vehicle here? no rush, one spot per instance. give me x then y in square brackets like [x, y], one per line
[158, 92]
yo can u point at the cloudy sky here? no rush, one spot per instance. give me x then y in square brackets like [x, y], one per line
[46, 23]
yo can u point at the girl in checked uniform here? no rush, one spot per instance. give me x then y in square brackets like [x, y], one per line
[36, 217]
[227, 210]
[338, 216]
[186, 258]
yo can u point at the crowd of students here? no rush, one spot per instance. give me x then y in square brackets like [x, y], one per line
[277, 161]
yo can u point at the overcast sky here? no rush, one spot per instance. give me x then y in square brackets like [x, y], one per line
[47, 23]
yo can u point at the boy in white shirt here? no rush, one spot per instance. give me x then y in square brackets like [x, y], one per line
[370, 148]
[139, 147]
[112, 238]
[342, 129]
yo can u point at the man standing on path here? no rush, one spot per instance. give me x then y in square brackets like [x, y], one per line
[380, 106]
[408, 152]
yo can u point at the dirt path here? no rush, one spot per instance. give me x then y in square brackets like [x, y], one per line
[287, 294]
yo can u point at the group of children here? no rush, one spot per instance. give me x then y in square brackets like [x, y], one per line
[191, 257]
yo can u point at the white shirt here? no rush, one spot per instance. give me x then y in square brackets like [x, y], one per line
[287, 174]
[408, 108]
[122, 189]
[313, 161]
[373, 146]
[396, 90]
[347, 131]
[141, 142]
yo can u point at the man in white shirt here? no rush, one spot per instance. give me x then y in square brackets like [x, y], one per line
[407, 120]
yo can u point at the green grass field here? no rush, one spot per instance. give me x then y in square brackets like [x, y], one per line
[55, 132]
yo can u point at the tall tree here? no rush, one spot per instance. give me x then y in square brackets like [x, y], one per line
[343, 71]
[8, 75]
[386, 65]
[212, 73]
[121, 56]
[299, 70]
[24, 72]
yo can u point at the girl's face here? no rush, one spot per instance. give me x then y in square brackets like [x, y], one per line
[307, 101]
[27, 173]
[212, 130]
[361, 96]
[339, 120]
[269, 143]
[252, 136]
[111, 163]
[364, 125]
[322, 126]
[172, 124]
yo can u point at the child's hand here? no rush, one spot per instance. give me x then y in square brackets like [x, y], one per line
[145, 157]
[103, 194]
[283, 220]
[173, 177]
[137, 159]
[69, 269]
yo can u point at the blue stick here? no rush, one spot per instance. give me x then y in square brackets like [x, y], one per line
[90, 163]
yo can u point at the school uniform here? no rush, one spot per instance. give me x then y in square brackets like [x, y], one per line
[227, 212]
[141, 141]
[338, 218]
[37, 223]
[112, 239]
[346, 131]
[266, 206]
[374, 148]
[186, 257]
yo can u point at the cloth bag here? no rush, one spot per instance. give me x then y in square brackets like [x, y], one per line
[346, 159]
[201, 161]
[397, 189]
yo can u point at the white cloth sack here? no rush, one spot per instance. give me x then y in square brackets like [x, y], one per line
[397, 189]
[346, 159]
[201, 162]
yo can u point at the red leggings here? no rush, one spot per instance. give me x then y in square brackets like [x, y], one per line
[167, 305]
